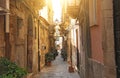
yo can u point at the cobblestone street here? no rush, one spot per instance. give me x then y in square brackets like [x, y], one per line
[59, 69]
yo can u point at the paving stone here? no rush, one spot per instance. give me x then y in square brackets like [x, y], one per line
[59, 69]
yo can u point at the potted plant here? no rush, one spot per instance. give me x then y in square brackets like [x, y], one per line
[55, 53]
[48, 58]
[64, 54]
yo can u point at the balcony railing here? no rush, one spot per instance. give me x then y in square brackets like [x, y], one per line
[73, 11]
[73, 7]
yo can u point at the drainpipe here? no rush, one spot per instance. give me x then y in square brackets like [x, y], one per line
[7, 38]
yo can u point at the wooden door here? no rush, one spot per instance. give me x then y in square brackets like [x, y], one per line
[2, 36]
[30, 45]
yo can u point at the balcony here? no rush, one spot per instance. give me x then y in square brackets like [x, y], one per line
[38, 4]
[73, 11]
[73, 8]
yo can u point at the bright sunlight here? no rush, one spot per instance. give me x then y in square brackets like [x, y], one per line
[57, 10]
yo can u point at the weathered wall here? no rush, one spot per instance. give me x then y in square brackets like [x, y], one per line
[85, 38]
[69, 49]
[95, 69]
[18, 32]
[44, 43]
[96, 60]
[108, 39]
[3, 3]
[96, 45]
[23, 36]
[102, 61]
[24, 46]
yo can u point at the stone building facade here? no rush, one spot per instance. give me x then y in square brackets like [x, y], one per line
[23, 35]
[44, 40]
[97, 51]
[95, 41]
[27, 40]
[72, 32]
[29, 36]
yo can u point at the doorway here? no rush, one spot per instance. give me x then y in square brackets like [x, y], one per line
[77, 50]
[29, 45]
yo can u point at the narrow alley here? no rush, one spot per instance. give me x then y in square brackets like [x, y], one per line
[59, 38]
[58, 69]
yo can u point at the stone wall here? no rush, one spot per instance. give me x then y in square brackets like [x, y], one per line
[96, 69]
[85, 39]
[102, 63]
[108, 39]
[44, 42]
[3, 3]
[18, 32]
[23, 36]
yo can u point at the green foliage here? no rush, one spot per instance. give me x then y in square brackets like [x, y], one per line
[64, 54]
[9, 69]
[49, 57]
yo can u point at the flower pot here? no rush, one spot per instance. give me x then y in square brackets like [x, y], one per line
[71, 69]
[48, 63]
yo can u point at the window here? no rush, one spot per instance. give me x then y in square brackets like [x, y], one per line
[19, 25]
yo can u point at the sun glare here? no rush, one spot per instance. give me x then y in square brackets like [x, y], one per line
[57, 10]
